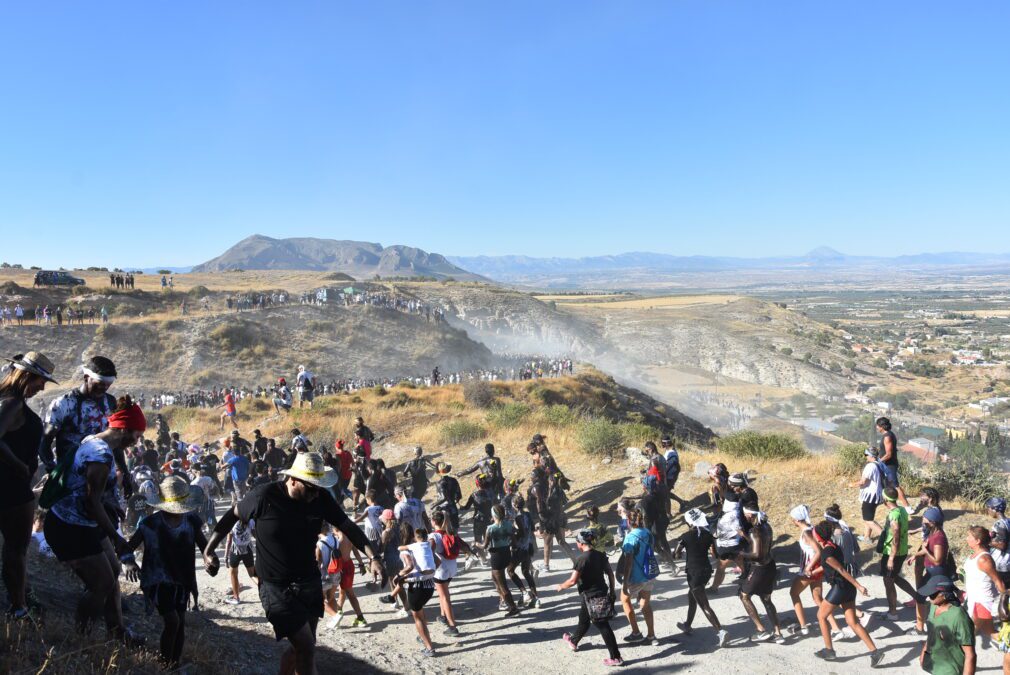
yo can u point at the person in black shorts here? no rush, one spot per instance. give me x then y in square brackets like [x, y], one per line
[842, 593]
[760, 575]
[289, 515]
[696, 544]
[238, 550]
[889, 457]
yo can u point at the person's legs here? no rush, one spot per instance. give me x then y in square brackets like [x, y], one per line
[422, 627]
[515, 577]
[16, 527]
[748, 605]
[564, 546]
[96, 574]
[850, 618]
[720, 573]
[892, 595]
[583, 627]
[498, 576]
[629, 612]
[355, 605]
[608, 638]
[766, 600]
[300, 657]
[548, 542]
[692, 608]
[172, 622]
[701, 599]
[527, 568]
[817, 591]
[795, 593]
[823, 612]
[645, 604]
[233, 573]
[445, 603]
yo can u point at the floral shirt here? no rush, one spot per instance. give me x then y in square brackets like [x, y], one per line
[73, 508]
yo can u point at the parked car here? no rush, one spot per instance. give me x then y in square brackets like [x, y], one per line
[57, 278]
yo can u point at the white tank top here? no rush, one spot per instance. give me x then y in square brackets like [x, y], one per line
[978, 587]
[808, 551]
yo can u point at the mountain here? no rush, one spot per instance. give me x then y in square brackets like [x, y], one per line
[567, 271]
[361, 260]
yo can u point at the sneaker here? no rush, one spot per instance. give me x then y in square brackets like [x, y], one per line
[512, 612]
[875, 658]
[532, 601]
[502, 605]
[634, 637]
[567, 638]
[797, 629]
[452, 630]
[826, 654]
[763, 636]
[441, 620]
[654, 641]
[536, 573]
[335, 621]
[231, 600]
[848, 633]
[428, 652]
[685, 629]
[387, 599]
[892, 616]
[470, 562]
[547, 568]
[780, 639]
[723, 638]
[402, 614]
[613, 663]
[537, 603]
[360, 623]
[915, 632]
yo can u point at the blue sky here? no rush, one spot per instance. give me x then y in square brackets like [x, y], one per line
[161, 133]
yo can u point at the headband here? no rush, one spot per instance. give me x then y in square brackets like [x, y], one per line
[132, 419]
[105, 379]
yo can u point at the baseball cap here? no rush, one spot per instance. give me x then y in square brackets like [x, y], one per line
[936, 584]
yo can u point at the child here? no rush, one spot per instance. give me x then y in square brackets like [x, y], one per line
[347, 585]
[168, 575]
[238, 550]
[417, 575]
[328, 557]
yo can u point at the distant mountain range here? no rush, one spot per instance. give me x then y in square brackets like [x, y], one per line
[515, 268]
[362, 260]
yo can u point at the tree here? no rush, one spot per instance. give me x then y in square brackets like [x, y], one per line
[879, 362]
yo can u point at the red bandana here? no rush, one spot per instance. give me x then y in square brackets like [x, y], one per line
[132, 419]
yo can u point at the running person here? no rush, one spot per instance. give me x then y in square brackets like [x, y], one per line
[811, 573]
[522, 552]
[288, 517]
[448, 496]
[638, 581]
[760, 574]
[229, 410]
[842, 593]
[696, 544]
[595, 580]
[447, 546]
[480, 501]
[419, 564]
[894, 550]
[498, 541]
[238, 552]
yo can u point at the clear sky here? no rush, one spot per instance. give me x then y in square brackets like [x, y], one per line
[157, 133]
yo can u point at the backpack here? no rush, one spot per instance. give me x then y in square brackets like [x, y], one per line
[56, 487]
[672, 465]
[450, 544]
[650, 566]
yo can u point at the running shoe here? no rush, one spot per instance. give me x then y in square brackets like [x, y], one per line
[470, 562]
[763, 636]
[613, 663]
[892, 616]
[512, 612]
[723, 638]
[231, 600]
[360, 623]
[826, 654]
[335, 621]
[685, 629]
[654, 641]
[402, 614]
[452, 630]
[428, 652]
[567, 637]
[797, 629]
[780, 639]
[634, 637]
[875, 658]
[502, 605]
[531, 601]
[441, 620]
[848, 633]
[537, 603]
[387, 599]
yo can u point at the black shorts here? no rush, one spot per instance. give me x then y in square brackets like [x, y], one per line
[247, 559]
[168, 598]
[306, 395]
[72, 542]
[418, 595]
[289, 607]
[521, 555]
[554, 523]
[698, 579]
[895, 572]
[500, 557]
[15, 492]
[728, 553]
[760, 580]
[869, 511]
[841, 593]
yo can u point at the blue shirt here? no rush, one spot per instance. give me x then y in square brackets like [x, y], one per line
[635, 545]
[239, 466]
[73, 508]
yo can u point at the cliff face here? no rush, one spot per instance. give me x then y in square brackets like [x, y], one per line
[362, 260]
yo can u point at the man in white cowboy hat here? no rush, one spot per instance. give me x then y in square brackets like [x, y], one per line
[81, 412]
[168, 575]
[289, 515]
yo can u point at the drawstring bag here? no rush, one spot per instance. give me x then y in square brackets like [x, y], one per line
[600, 608]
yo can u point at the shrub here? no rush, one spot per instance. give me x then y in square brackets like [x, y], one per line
[198, 292]
[971, 481]
[762, 446]
[233, 336]
[355, 399]
[397, 400]
[479, 393]
[851, 458]
[80, 290]
[559, 415]
[406, 384]
[379, 390]
[598, 436]
[459, 432]
[508, 415]
[637, 433]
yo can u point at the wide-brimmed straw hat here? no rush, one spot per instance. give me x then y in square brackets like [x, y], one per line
[175, 495]
[309, 468]
[35, 363]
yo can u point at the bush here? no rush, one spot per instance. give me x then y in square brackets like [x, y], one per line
[508, 415]
[479, 393]
[971, 481]
[397, 400]
[80, 290]
[198, 292]
[637, 433]
[762, 446]
[851, 458]
[559, 415]
[459, 432]
[379, 390]
[406, 384]
[598, 436]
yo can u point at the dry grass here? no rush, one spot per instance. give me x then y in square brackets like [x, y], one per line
[661, 302]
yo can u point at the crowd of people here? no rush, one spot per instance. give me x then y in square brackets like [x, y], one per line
[398, 303]
[122, 281]
[44, 315]
[303, 522]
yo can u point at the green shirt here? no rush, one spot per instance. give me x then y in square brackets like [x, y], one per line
[946, 634]
[500, 535]
[900, 516]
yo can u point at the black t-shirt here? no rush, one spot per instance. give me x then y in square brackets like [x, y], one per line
[748, 496]
[287, 531]
[650, 510]
[592, 567]
[697, 542]
[893, 461]
[831, 576]
[151, 459]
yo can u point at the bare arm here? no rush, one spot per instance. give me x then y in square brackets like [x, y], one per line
[96, 476]
[11, 418]
[986, 565]
[572, 580]
[969, 660]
